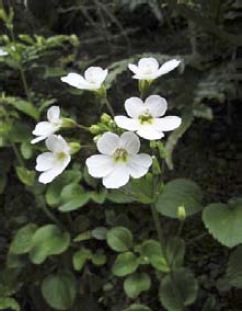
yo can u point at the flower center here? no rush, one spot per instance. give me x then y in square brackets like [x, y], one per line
[146, 119]
[148, 70]
[120, 155]
[61, 156]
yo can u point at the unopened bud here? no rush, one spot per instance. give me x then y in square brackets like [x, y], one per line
[75, 147]
[181, 213]
[94, 129]
[105, 118]
[68, 123]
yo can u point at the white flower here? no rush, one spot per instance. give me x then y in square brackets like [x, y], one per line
[44, 129]
[148, 68]
[145, 117]
[3, 52]
[92, 80]
[119, 159]
[54, 162]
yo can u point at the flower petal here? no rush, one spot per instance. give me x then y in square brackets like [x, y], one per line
[44, 128]
[117, 178]
[96, 75]
[149, 133]
[167, 123]
[133, 68]
[157, 105]
[108, 143]
[130, 142]
[150, 62]
[139, 165]
[168, 66]
[45, 161]
[99, 165]
[134, 106]
[53, 114]
[38, 139]
[76, 80]
[50, 175]
[126, 123]
[56, 144]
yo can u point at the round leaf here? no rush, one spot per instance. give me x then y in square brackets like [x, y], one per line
[136, 284]
[120, 239]
[178, 290]
[48, 240]
[224, 222]
[22, 241]
[125, 263]
[59, 290]
[179, 192]
[234, 269]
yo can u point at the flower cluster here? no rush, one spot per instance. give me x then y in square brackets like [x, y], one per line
[119, 157]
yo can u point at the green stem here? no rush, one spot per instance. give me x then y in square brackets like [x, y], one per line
[24, 82]
[158, 228]
[109, 106]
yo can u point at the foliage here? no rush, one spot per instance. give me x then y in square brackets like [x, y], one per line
[73, 244]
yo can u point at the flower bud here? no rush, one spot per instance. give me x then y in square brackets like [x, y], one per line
[96, 138]
[181, 213]
[105, 118]
[68, 123]
[95, 129]
[75, 147]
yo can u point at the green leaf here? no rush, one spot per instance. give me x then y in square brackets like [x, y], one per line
[80, 257]
[179, 192]
[234, 268]
[22, 241]
[136, 283]
[100, 233]
[120, 239]
[150, 251]
[73, 197]
[59, 290]
[55, 188]
[98, 197]
[125, 263]
[178, 290]
[23, 106]
[99, 258]
[48, 240]
[83, 236]
[25, 176]
[120, 197]
[8, 303]
[138, 307]
[26, 150]
[224, 222]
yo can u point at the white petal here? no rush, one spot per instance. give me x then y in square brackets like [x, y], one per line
[96, 75]
[53, 114]
[117, 178]
[134, 107]
[148, 132]
[76, 80]
[148, 62]
[168, 66]
[108, 143]
[44, 128]
[127, 123]
[45, 161]
[99, 165]
[50, 175]
[157, 105]
[130, 142]
[139, 165]
[133, 68]
[57, 144]
[38, 139]
[167, 123]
